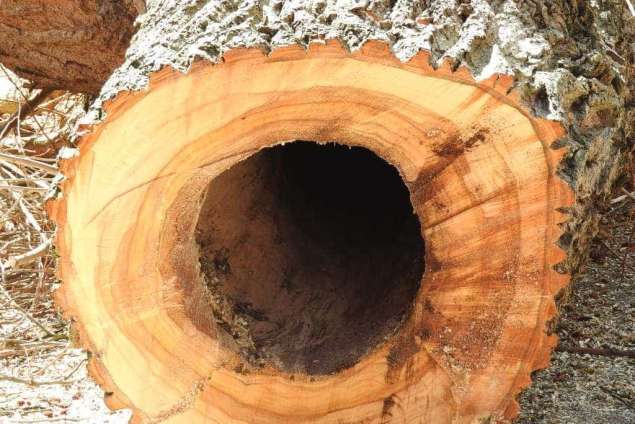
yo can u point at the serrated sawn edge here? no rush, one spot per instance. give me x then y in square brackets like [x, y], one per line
[499, 86]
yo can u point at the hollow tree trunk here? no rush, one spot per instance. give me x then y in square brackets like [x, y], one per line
[66, 44]
[211, 282]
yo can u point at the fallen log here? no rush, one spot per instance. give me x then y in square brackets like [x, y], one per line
[190, 243]
[66, 44]
[323, 236]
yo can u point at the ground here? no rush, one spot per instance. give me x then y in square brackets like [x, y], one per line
[583, 388]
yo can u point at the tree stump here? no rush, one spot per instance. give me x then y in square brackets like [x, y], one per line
[225, 262]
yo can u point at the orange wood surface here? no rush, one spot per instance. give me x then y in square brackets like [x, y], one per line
[482, 180]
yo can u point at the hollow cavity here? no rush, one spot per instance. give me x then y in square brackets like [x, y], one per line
[311, 253]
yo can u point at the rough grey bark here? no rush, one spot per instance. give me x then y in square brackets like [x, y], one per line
[572, 62]
[67, 44]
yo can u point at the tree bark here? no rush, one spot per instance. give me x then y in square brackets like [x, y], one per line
[571, 61]
[70, 44]
[472, 144]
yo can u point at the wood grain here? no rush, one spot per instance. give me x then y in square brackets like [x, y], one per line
[482, 180]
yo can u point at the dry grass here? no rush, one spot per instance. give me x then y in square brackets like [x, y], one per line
[42, 377]
[28, 178]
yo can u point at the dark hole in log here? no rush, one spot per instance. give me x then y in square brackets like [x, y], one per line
[312, 254]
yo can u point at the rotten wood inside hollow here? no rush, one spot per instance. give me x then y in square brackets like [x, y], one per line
[312, 253]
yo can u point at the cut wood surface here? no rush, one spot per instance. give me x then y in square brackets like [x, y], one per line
[482, 181]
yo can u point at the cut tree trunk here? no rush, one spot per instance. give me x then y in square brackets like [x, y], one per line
[72, 45]
[225, 262]
[481, 179]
